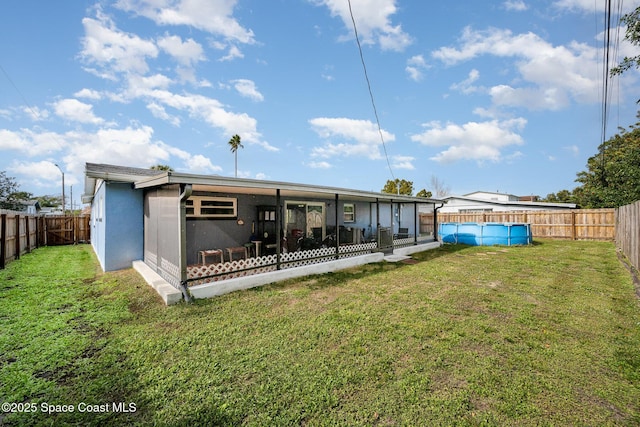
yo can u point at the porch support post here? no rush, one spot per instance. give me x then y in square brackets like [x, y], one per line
[378, 221]
[416, 223]
[278, 230]
[435, 222]
[185, 192]
[391, 211]
[337, 228]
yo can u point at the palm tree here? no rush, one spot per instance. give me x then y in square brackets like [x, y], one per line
[235, 143]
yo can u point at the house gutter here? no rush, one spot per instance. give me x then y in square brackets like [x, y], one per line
[186, 190]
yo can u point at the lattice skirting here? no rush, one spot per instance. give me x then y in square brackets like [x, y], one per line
[250, 266]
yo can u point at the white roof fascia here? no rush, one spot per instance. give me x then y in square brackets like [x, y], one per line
[182, 178]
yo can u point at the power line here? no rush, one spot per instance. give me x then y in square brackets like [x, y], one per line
[611, 50]
[35, 115]
[373, 103]
[605, 85]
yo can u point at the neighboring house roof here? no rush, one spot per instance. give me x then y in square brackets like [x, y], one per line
[491, 195]
[30, 206]
[147, 178]
[519, 204]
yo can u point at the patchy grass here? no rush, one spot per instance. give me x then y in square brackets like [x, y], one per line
[541, 335]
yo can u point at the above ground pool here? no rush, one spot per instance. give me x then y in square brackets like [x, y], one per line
[485, 234]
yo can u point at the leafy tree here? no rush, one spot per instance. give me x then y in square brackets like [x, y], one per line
[632, 35]
[235, 143]
[162, 168]
[562, 196]
[424, 193]
[50, 201]
[22, 196]
[612, 177]
[405, 187]
[8, 190]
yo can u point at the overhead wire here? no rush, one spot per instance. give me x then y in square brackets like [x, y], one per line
[373, 103]
[605, 85]
[35, 115]
[610, 52]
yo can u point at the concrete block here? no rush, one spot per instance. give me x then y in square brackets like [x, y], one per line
[169, 294]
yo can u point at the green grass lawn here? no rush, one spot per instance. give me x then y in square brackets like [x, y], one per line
[547, 334]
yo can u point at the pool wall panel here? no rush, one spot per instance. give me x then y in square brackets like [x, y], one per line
[485, 234]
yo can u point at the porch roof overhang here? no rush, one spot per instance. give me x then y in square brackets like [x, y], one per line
[261, 187]
[96, 171]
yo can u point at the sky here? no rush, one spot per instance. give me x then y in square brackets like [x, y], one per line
[501, 95]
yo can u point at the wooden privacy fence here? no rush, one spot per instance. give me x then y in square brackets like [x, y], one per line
[574, 224]
[21, 233]
[628, 232]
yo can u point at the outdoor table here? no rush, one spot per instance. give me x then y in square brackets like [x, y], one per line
[210, 252]
[237, 250]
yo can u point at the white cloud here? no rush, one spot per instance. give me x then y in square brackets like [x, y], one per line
[589, 6]
[478, 141]
[113, 50]
[515, 5]
[551, 77]
[160, 112]
[6, 114]
[35, 113]
[215, 114]
[140, 86]
[234, 52]
[76, 111]
[127, 147]
[364, 133]
[373, 20]
[201, 164]
[466, 86]
[319, 165]
[130, 146]
[121, 56]
[403, 162]
[43, 173]
[573, 149]
[187, 52]
[247, 88]
[31, 142]
[415, 67]
[212, 16]
[328, 73]
[88, 94]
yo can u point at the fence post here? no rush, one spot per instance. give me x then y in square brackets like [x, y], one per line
[17, 237]
[573, 225]
[27, 231]
[3, 240]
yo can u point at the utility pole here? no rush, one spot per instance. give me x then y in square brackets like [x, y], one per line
[63, 199]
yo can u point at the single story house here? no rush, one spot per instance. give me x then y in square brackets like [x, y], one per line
[206, 235]
[483, 201]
